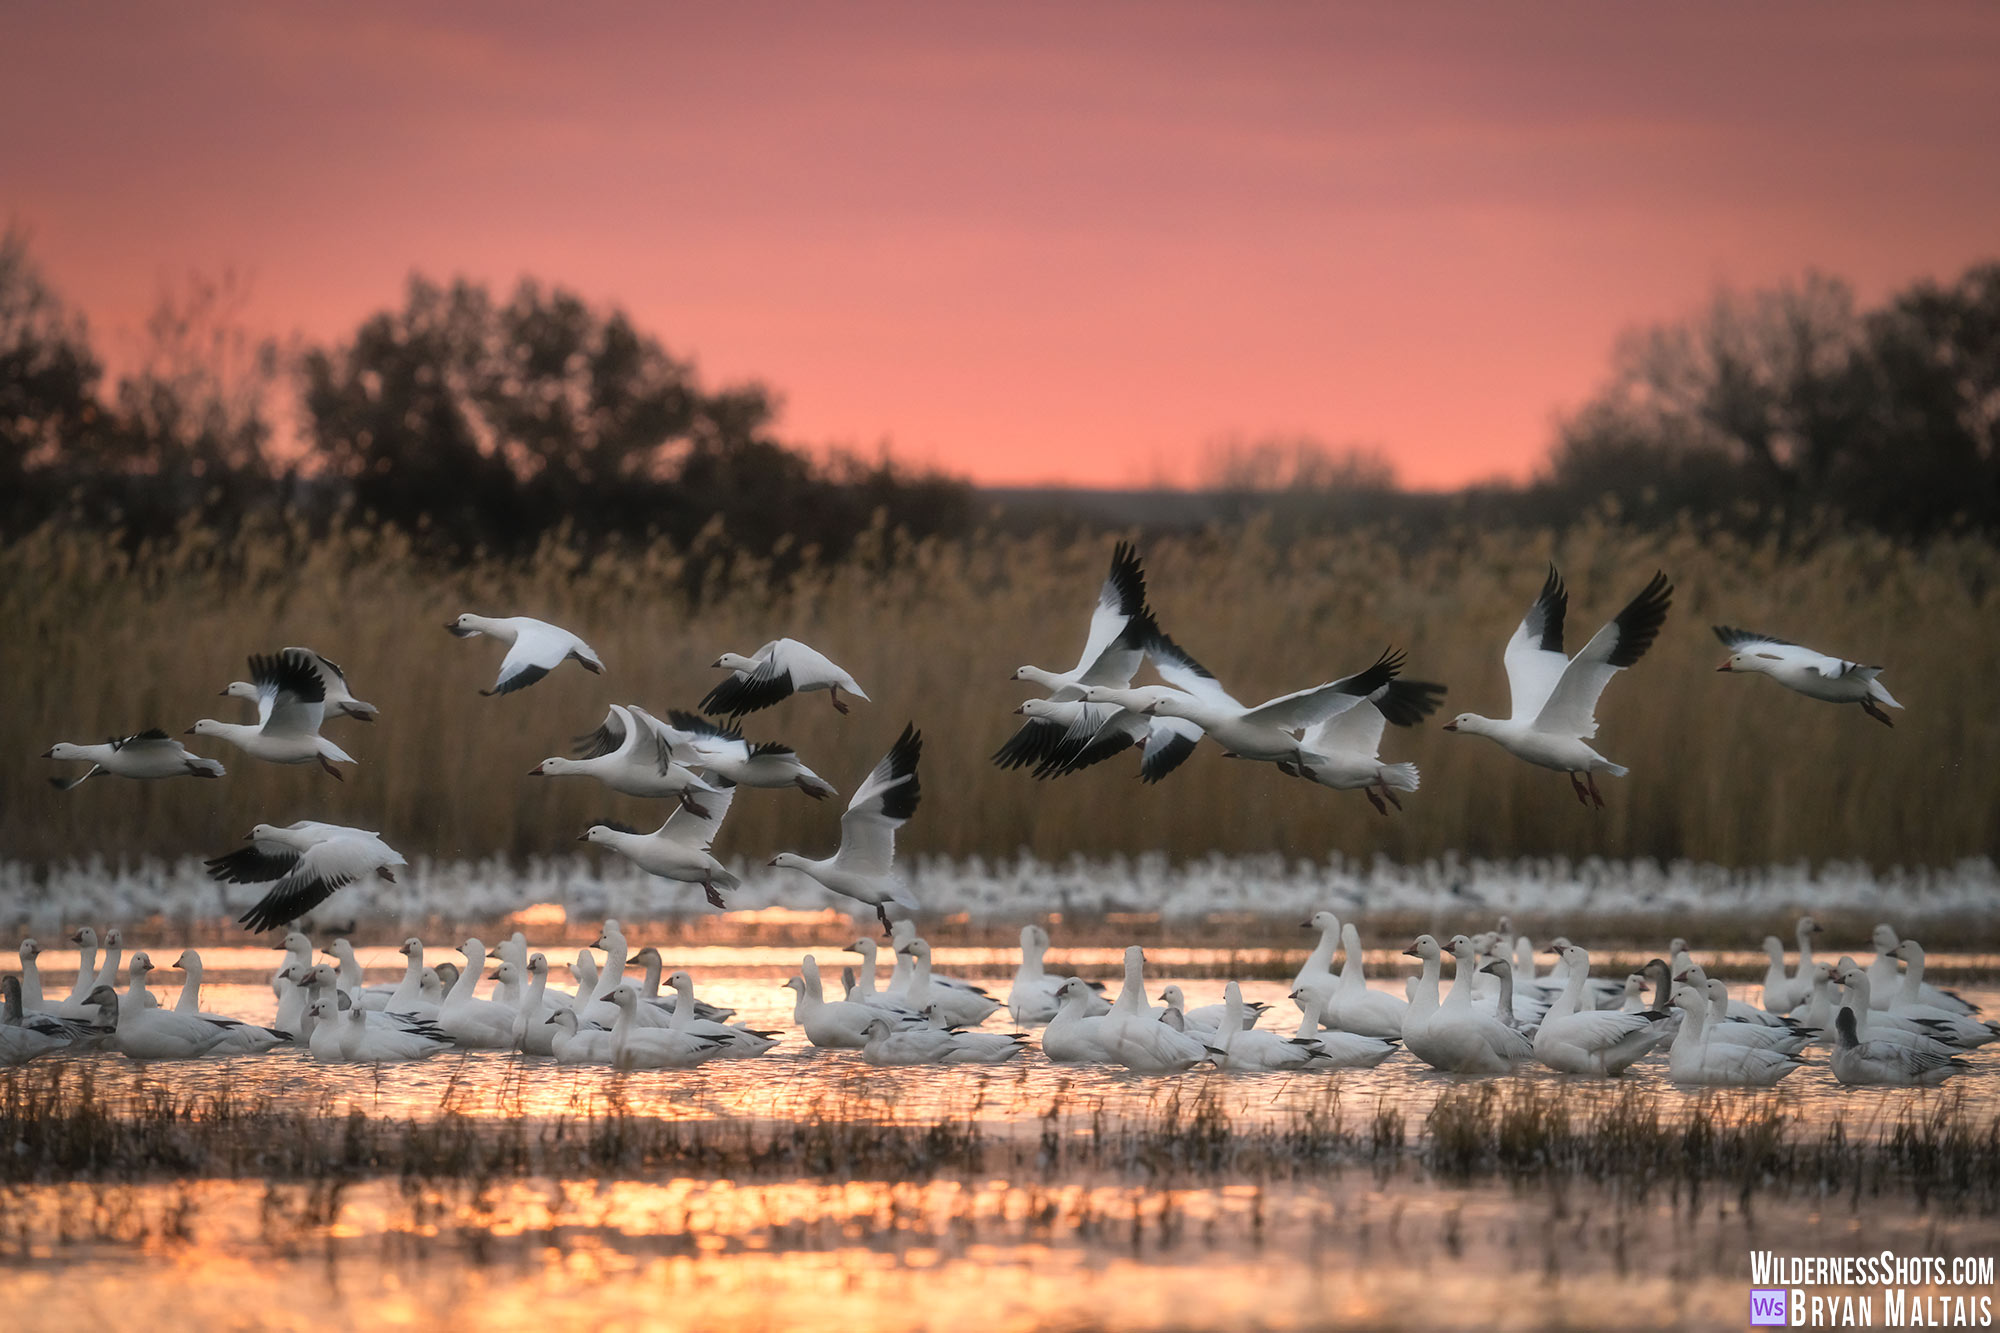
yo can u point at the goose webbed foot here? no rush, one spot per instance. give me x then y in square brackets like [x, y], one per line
[1874, 710]
[693, 807]
[1596, 796]
[1389, 794]
[882, 915]
[714, 894]
[838, 706]
[327, 764]
[1582, 793]
[1375, 801]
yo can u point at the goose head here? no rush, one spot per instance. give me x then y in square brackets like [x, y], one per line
[1425, 947]
[63, 750]
[1173, 998]
[208, 726]
[788, 861]
[564, 1018]
[1886, 938]
[1322, 921]
[554, 766]
[29, 951]
[1471, 723]
[105, 1000]
[877, 1027]
[538, 965]
[864, 946]
[1807, 926]
[681, 982]
[84, 938]
[1504, 969]
[918, 949]
[412, 948]
[733, 662]
[467, 625]
[238, 689]
[1688, 998]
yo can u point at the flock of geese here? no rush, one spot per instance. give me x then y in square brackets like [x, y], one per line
[1882, 1024]
[1498, 1013]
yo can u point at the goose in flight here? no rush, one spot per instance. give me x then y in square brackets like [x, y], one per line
[340, 700]
[678, 849]
[1075, 735]
[291, 704]
[1555, 697]
[864, 866]
[1113, 650]
[534, 648]
[627, 754]
[1344, 751]
[149, 754]
[722, 751]
[778, 670]
[305, 864]
[1815, 675]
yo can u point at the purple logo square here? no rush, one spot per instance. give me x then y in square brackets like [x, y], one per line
[1767, 1307]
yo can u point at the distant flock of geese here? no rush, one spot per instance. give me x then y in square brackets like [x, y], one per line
[1497, 1013]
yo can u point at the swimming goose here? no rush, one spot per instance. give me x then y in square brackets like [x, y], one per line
[31, 977]
[241, 1038]
[1344, 751]
[1502, 969]
[470, 1021]
[1137, 1038]
[1881, 1063]
[153, 1034]
[903, 930]
[305, 864]
[365, 1042]
[1450, 1034]
[532, 1033]
[864, 866]
[723, 751]
[958, 1006]
[775, 672]
[351, 983]
[864, 989]
[1882, 976]
[20, 1043]
[1336, 1049]
[921, 1045]
[678, 849]
[1239, 1048]
[1599, 1042]
[1788, 1040]
[534, 648]
[630, 758]
[1352, 1007]
[1815, 675]
[838, 1024]
[1783, 993]
[1033, 998]
[1204, 1028]
[85, 940]
[408, 997]
[736, 1041]
[146, 754]
[578, 1044]
[1555, 697]
[636, 1047]
[1693, 1059]
[653, 965]
[1908, 1002]
[291, 704]
[1875, 1026]
[978, 1048]
[1076, 1035]
[340, 701]
[1317, 969]
[79, 1032]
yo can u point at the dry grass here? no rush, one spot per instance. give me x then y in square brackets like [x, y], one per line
[1728, 770]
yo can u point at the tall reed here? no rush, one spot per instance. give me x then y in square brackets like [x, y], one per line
[1725, 769]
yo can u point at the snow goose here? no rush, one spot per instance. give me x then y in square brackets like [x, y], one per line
[1239, 1048]
[775, 672]
[1909, 1002]
[305, 864]
[633, 760]
[578, 1044]
[1815, 675]
[723, 751]
[351, 983]
[1033, 998]
[532, 1033]
[340, 700]
[980, 1048]
[1555, 697]
[325, 1030]
[470, 1021]
[1599, 1042]
[1270, 730]
[678, 849]
[1875, 1026]
[365, 1042]
[1734, 1011]
[1203, 1029]
[1210, 1018]
[534, 648]
[636, 1047]
[1866, 1063]
[1344, 751]
[1502, 969]
[864, 866]
[901, 932]
[1352, 1007]
[1882, 976]
[1335, 1049]
[1788, 1040]
[1076, 1035]
[922, 1045]
[957, 1006]
[153, 1034]
[866, 991]
[147, 754]
[1317, 969]
[1138, 1039]
[291, 704]
[1693, 1059]
[1111, 655]
[1451, 1035]
[737, 1041]
[31, 977]
[1635, 994]
[85, 940]
[241, 1038]
[1783, 991]
[837, 1024]
[20, 1043]
[408, 997]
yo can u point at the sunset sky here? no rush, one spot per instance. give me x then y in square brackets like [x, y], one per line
[1027, 242]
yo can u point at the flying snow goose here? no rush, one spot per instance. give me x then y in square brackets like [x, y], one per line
[1267, 731]
[1555, 697]
[1815, 675]
[1693, 1059]
[723, 751]
[291, 704]
[1034, 997]
[864, 866]
[534, 648]
[1344, 751]
[631, 758]
[340, 700]
[775, 672]
[305, 863]
[1600, 1042]
[678, 849]
[1113, 650]
[1881, 1063]
[148, 754]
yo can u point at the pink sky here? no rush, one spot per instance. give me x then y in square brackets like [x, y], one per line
[1028, 242]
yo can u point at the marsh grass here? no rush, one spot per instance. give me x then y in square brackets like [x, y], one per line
[1726, 770]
